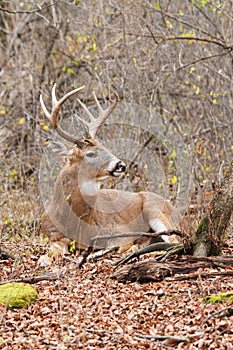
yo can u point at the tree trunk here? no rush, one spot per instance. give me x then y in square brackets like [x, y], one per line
[209, 237]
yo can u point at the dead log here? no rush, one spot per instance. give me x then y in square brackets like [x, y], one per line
[154, 271]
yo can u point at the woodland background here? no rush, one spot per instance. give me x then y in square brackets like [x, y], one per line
[173, 57]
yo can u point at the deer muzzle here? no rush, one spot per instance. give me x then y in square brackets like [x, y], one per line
[119, 169]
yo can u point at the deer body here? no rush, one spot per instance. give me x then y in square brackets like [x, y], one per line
[79, 210]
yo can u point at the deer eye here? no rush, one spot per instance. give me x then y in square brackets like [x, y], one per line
[90, 154]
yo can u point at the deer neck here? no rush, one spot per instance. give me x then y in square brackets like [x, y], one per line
[80, 191]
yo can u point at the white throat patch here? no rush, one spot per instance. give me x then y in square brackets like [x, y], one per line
[89, 188]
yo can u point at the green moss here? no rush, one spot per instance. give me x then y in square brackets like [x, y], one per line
[202, 229]
[203, 245]
[228, 297]
[18, 295]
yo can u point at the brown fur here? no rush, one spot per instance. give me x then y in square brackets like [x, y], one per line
[78, 209]
[76, 216]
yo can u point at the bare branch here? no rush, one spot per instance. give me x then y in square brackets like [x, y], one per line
[28, 12]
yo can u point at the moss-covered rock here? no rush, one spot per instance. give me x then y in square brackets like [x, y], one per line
[227, 297]
[18, 295]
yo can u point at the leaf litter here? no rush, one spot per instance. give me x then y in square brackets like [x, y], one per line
[86, 309]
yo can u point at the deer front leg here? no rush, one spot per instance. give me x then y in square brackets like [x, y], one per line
[58, 243]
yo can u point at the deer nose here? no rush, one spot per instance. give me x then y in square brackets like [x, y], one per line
[120, 167]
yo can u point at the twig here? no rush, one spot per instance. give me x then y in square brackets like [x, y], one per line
[148, 249]
[89, 255]
[28, 12]
[202, 275]
[146, 143]
[91, 330]
[228, 308]
[170, 252]
[203, 59]
[87, 252]
[174, 340]
[52, 276]
[98, 239]
[166, 339]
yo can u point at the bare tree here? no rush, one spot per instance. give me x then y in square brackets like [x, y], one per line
[173, 57]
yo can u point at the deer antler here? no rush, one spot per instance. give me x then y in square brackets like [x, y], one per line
[95, 123]
[92, 126]
[53, 116]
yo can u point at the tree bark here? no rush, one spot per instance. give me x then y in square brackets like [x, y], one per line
[209, 237]
[151, 270]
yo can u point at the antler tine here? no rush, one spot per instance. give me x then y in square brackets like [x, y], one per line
[87, 112]
[53, 116]
[95, 123]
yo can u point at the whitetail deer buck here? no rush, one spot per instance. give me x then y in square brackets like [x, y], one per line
[79, 210]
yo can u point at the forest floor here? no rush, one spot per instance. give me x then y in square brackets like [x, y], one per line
[87, 309]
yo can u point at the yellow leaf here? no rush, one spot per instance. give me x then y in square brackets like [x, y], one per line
[174, 180]
[197, 90]
[72, 246]
[192, 69]
[70, 49]
[173, 155]
[214, 101]
[21, 120]
[169, 24]
[45, 127]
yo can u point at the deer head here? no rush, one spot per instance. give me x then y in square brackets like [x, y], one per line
[93, 161]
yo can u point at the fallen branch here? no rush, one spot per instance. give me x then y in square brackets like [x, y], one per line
[51, 276]
[148, 249]
[174, 250]
[154, 271]
[166, 339]
[102, 241]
